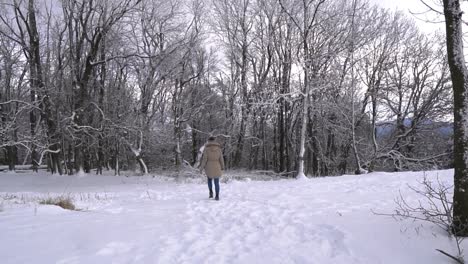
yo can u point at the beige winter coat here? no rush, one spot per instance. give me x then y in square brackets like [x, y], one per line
[212, 161]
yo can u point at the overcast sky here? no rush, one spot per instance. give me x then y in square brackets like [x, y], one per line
[416, 6]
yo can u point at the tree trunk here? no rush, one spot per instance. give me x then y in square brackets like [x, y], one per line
[286, 68]
[240, 138]
[143, 167]
[305, 117]
[459, 75]
[78, 158]
[38, 87]
[194, 144]
[331, 148]
[343, 165]
[70, 159]
[357, 159]
[265, 158]
[11, 157]
[116, 160]
[178, 143]
[5, 110]
[281, 136]
[305, 108]
[245, 112]
[102, 82]
[33, 119]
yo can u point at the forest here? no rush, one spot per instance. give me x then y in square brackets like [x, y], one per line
[314, 87]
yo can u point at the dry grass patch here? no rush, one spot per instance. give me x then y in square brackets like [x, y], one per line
[64, 202]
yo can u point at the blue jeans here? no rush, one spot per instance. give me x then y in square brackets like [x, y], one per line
[216, 183]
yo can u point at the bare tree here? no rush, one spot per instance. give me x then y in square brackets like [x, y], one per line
[235, 21]
[9, 110]
[87, 24]
[305, 19]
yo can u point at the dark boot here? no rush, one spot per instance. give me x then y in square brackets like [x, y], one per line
[217, 197]
[211, 194]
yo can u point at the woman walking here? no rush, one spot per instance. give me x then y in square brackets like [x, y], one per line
[213, 164]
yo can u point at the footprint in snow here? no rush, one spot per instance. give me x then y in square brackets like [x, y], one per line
[69, 260]
[114, 248]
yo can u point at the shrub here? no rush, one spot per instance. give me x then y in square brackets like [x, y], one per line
[434, 206]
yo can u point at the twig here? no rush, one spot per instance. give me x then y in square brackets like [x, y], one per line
[458, 260]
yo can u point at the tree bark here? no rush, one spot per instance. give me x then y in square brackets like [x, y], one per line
[5, 109]
[38, 88]
[459, 75]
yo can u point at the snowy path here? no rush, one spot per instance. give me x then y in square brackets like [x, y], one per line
[146, 220]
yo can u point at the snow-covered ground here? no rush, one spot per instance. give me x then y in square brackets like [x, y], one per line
[157, 220]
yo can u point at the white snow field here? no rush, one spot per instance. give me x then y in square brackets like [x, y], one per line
[158, 220]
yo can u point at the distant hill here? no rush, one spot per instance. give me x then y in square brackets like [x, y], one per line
[444, 129]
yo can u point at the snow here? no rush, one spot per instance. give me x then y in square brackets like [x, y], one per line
[159, 220]
[301, 177]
